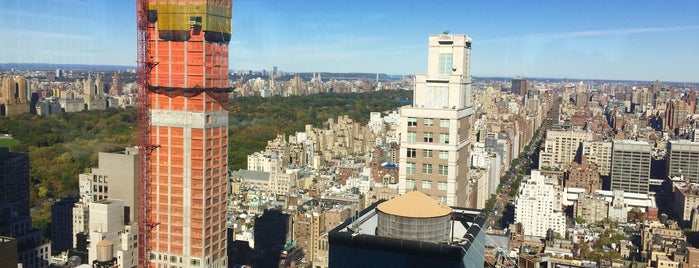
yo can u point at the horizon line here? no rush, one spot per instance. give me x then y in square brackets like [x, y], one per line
[384, 73]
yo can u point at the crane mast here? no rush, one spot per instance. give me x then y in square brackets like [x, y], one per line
[145, 147]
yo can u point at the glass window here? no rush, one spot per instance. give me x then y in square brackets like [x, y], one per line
[410, 168]
[412, 137]
[443, 170]
[444, 122]
[427, 168]
[426, 185]
[412, 153]
[427, 153]
[412, 121]
[442, 186]
[409, 184]
[443, 154]
[427, 137]
[442, 199]
[444, 138]
[428, 122]
[445, 63]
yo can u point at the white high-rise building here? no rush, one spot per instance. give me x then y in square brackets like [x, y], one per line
[539, 205]
[106, 222]
[114, 178]
[434, 150]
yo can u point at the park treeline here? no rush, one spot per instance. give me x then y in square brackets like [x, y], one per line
[61, 146]
[254, 121]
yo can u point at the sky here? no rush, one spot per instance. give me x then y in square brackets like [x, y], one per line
[621, 39]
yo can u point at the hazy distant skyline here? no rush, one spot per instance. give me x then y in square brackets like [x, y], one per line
[626, 40]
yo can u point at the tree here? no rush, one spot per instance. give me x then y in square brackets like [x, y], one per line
[580, 220]
[490, 203]
[635, 215]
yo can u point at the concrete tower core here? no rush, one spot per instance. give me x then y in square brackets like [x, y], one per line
[188, 44]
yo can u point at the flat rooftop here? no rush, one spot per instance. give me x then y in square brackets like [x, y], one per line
[360, 231]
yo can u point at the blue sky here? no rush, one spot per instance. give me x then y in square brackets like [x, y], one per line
[643, 40]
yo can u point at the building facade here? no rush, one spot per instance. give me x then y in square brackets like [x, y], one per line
[584, 175]
[561, 147]
[114, 178]
[600, 153]
[683, 159]
[591, 208]
[520, 86]
[434, 150]
[62, 225]
[15, 219]
[189, 124]
[539, 206]
[14, 96]
[106, 222]
[686, 198]
[630, 166]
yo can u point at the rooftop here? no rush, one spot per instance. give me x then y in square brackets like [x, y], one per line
[360, 231]
[687, 188]
[251, 175]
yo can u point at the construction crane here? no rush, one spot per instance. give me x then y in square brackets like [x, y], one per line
[145, 147]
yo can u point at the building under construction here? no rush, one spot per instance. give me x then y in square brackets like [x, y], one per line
[183, 66]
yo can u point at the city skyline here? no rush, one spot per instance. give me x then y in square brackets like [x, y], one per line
[621, 40]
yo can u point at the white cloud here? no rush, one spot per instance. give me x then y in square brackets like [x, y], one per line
[590, 33]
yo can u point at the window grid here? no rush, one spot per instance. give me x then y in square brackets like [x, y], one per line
[427, 168]
[445, 63]
[412, 121]
[443, 170]
[411, 153]
[428, 137]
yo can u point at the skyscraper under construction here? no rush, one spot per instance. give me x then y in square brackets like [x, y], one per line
[187, 52]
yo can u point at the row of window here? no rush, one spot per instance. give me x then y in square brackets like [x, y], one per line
[428, 122]
[427, 137]
[412, 153]
[174, 259]
[426, 185]
[426, 169]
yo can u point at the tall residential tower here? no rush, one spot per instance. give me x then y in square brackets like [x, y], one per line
[188, 84]
[434, 153]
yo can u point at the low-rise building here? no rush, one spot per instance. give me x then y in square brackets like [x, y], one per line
[591, 208]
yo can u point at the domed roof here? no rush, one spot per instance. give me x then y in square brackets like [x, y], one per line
[414, 205]
[105, 242]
